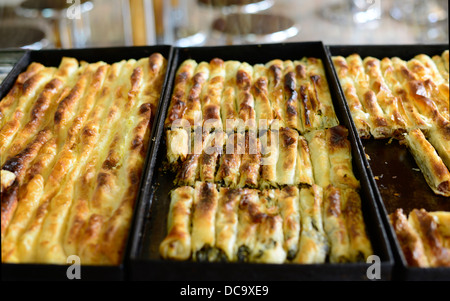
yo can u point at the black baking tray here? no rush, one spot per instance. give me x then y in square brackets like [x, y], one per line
[145, 261]
[394, 175]
[52, 57]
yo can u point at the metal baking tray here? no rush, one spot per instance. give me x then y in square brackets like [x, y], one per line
[394, 175]
[145, 261]
[53, 57]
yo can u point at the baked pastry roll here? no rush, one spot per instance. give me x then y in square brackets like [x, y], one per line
[209, 159]
[360, 117]
[360, 245]
[194, 101]
[408, 239]
[308, 103]
[426, 227]
[201, 159]
[189, 171]
[260, 91]
[227, 221]
[250, 161]
[425, 69]
[288, 202]
[434, 170]
[445, 59]
[245, 102]
[334, 224]
[249, 216]
[303, 170]
[178, 143]
[320, 90]
[230, 118]
[290, 105]
[270, 238]
[440, 65]
[41, 110]
[9, 102]
[182, 87]
[379, 125]
[177, 243]
[443, 220]
[203, 221]
[416, 90]
[21, 105]
[439, 137]
[211, 98]
[270, 152]
[230, 161]
[314, 245]
[411, 115]
[340, 156]
[275, 88]
[287, 159]
[429, 68]
[317, 142]
[386, 99]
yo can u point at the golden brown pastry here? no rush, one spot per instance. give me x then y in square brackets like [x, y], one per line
[388, 102]
[434, 170]
[211, 96]
[340, 156]
[288, 202]
[314, 244]
[409, 240]
[203, 221]
[360, 117]
[380, 127]
[227, 224]
[409, 112]
[177, 243]
[260, 90]
[71, 176]
[426, 227]
[360, 245]
[230, 118]
[269, 246]
[321, 92]
[182, 87]
[274, 71]
[334, 224]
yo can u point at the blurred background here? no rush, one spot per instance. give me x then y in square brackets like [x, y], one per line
[38, 24]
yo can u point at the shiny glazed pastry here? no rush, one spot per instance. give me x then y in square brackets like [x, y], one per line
[406, 100]
[297, 225]
[73, 140]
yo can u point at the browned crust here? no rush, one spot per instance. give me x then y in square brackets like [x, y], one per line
[250, 162]
[9, 204]
[291, 100]
[437, 254]
[408, 239]
[60, 152]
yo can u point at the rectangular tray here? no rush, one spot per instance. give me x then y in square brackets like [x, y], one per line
[146, 262]
[53, 57]
[395, 167]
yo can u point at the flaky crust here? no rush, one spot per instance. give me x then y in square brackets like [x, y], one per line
[75, 158]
